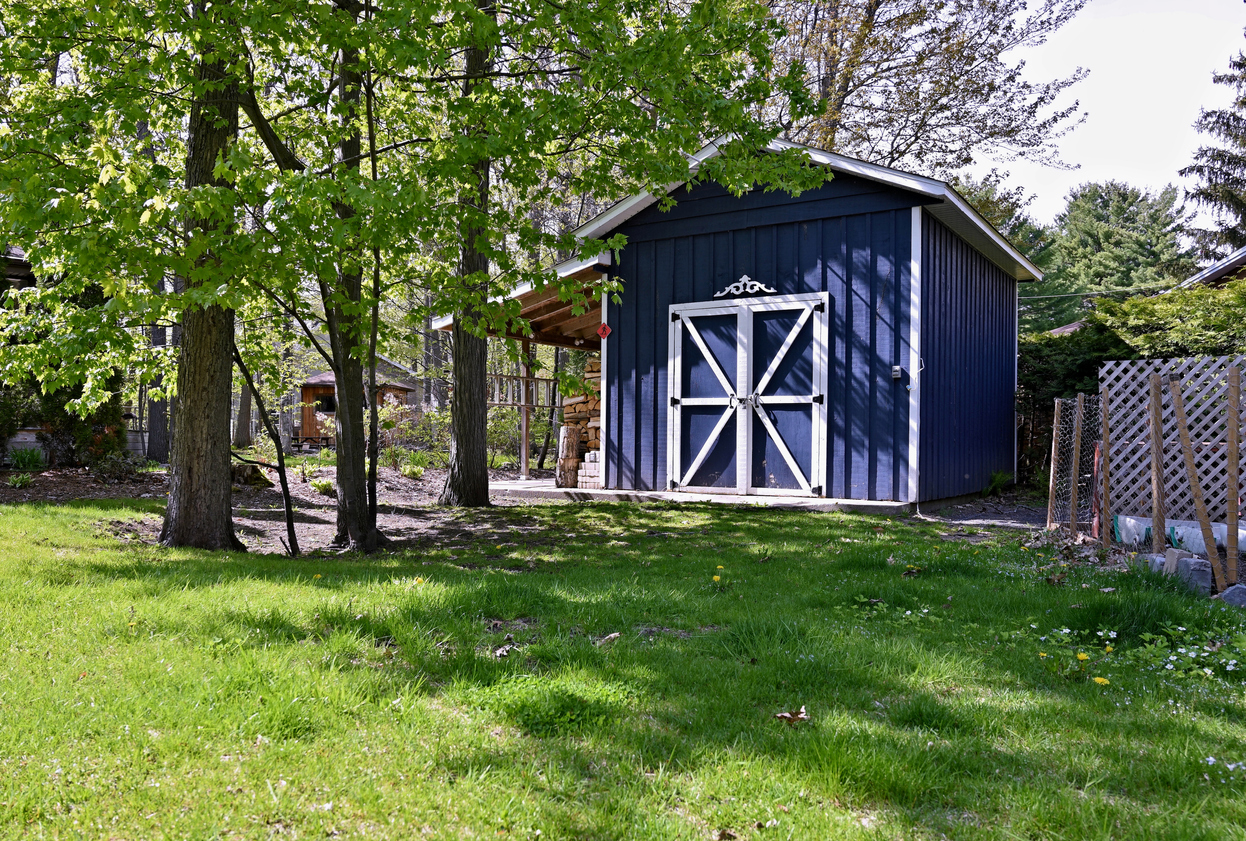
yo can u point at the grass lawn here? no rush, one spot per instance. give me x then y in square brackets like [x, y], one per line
[153, 693]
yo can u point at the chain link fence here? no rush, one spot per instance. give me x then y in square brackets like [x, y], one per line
[1076, 445]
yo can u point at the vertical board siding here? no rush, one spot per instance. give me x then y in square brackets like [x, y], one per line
[969, 382]
[861, 258]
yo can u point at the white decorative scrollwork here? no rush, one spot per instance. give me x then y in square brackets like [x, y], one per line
[744, 286]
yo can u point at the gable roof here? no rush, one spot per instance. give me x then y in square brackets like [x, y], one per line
[1218, 272]
[949, 206]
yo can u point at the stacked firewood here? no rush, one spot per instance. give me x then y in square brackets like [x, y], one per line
[583, 411]
[579, 441]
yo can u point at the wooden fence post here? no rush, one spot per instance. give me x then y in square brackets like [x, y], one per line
[1105, 508]
[1076, 467]
[1157, 465]
[1196, 488]
[1235, 434]
[1055, 455]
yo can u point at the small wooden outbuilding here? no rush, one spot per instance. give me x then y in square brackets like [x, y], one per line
[858, 341]
[319, 398]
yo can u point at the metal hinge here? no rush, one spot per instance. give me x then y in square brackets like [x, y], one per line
[674, 317]
[672, 485]
[817, 490]
[818, 398]
[674, 401]
[819, 307]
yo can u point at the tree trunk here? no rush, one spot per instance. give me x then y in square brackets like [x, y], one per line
[158, 410]
[356, 529]
[198, 512]
[467, 482]
[242, 422]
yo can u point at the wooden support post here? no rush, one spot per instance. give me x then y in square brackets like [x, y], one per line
[1076, 471]
[1105, 467]
[525, 413]
[1234, 441]
[1157, 465]
[1055, 456]
[1196, 488]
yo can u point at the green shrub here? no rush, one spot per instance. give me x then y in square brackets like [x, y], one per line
[392, 457]
[28, 458]
[1000, 479]
[118, 467]
[20, 480]
[412, 471]
[324, 486]
[70, 439]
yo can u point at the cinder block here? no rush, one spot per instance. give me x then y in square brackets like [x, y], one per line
[1171, 557]
[1150, 562]
[1196, 573]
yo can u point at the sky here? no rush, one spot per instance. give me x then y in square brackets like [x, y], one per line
[1150, 64]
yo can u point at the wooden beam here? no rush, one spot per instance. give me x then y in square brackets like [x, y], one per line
[1076, 471]
[1055, 455]
[554, 340]
[582, 322]
[1105, 467]
[1196, 488]
[1234, 442]
[1157, 466]
[525, 370]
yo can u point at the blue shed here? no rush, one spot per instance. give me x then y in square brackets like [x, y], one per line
[855, 342]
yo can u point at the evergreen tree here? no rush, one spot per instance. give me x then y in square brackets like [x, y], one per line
[1221, 169]
[1110, 238]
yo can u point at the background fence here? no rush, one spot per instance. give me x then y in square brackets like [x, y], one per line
[1141, 418]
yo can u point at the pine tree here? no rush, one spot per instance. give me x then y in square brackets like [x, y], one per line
[1221, 169]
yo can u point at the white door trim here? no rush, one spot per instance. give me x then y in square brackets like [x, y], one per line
[915, 350]
[745, 408]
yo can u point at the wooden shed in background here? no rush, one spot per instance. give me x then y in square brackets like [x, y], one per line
[319, 398]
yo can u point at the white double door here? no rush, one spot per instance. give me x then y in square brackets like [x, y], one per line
[747, 381]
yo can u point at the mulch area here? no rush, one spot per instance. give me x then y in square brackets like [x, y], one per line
[71, 483]
[408, 512]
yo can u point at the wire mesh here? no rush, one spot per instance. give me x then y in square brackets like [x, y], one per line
[1075, 459]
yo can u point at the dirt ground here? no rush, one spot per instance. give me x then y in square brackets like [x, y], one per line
[1012, 509]
[408, 514]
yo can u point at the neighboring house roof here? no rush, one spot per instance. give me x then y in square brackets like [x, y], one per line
[950, 208]
[1067, 329]
[17, 270]
[326, 379]
[1217, 273]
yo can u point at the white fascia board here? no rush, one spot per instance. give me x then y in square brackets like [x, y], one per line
[963, 218]
[1234, 260]
[563, 269]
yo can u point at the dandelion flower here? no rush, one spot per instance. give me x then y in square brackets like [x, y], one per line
[1107, 649]
[1102, 681]
[1083, 656]
[717, 577]
[419, 581]
[720, 566]
[1042, 654]
[317, 575]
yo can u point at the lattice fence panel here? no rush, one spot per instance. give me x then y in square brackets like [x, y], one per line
[1204, 388]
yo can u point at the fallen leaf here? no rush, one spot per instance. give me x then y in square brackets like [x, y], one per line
[1057, 580]
[504, 651]
[1107, 589]
[608, 638]
[726, 835]
[911, 571]
[794, 716]
[1075, 606]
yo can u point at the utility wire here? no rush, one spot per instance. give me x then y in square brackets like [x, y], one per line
[1165, 285]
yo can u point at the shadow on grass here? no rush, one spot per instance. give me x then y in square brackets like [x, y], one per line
[913, 718]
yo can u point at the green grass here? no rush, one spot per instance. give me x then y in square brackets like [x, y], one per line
[156, 693]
